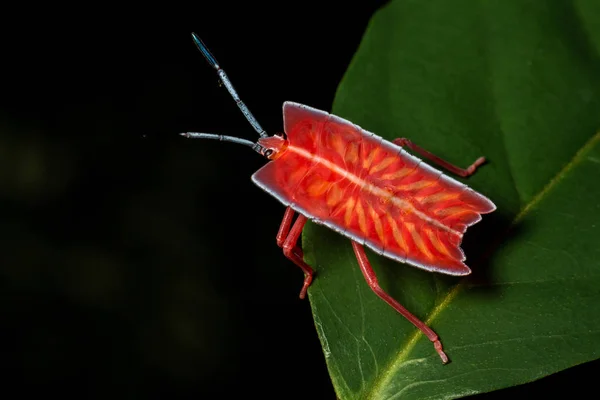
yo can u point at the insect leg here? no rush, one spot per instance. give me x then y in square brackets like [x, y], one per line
[284, 229]
[287, 239]
[367, 270]
[464, 172]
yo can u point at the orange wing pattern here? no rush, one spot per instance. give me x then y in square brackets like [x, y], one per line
[372, 191]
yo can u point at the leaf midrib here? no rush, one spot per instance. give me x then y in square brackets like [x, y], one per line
[395, 364]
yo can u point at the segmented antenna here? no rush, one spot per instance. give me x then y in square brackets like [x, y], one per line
[223, 138]
[227, 83]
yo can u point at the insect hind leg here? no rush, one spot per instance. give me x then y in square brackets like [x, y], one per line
[287, 239]
[464, 172]
[369, 273]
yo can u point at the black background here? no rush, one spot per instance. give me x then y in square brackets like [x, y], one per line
[136, 263]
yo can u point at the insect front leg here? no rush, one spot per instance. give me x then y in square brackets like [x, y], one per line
[367, 270]
[464, 172]
[287, 239]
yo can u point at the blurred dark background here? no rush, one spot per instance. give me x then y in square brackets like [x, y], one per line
[135, 263]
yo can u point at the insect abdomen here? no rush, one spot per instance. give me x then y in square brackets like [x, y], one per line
[372, 191]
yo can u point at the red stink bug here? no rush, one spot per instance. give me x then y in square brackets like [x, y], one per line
[334, 173]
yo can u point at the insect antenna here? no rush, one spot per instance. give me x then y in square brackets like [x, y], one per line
[197, 135]
[227, 83]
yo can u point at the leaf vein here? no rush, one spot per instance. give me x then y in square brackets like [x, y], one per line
[394, 365]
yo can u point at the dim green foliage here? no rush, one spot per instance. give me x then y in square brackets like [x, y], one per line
[518, 82]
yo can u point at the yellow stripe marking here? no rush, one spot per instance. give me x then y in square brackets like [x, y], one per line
[338, 144]
[401, 173]
[369, 160]
[362, 221]
[383, 164]
[418, 240]
[317, 187]
[416, 185]
[334, 195]
[454, 211]
[377, 223]
[351, 155]
[397, 235]
[437, 243]
[349, 211]
[439, 197]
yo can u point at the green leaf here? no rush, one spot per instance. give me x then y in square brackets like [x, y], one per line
[518, 82]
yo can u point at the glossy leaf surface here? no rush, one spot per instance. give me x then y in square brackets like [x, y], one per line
[518, 82]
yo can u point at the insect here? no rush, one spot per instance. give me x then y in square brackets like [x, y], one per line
[332, 172]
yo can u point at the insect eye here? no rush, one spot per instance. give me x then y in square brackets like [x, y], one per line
[268, 153]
